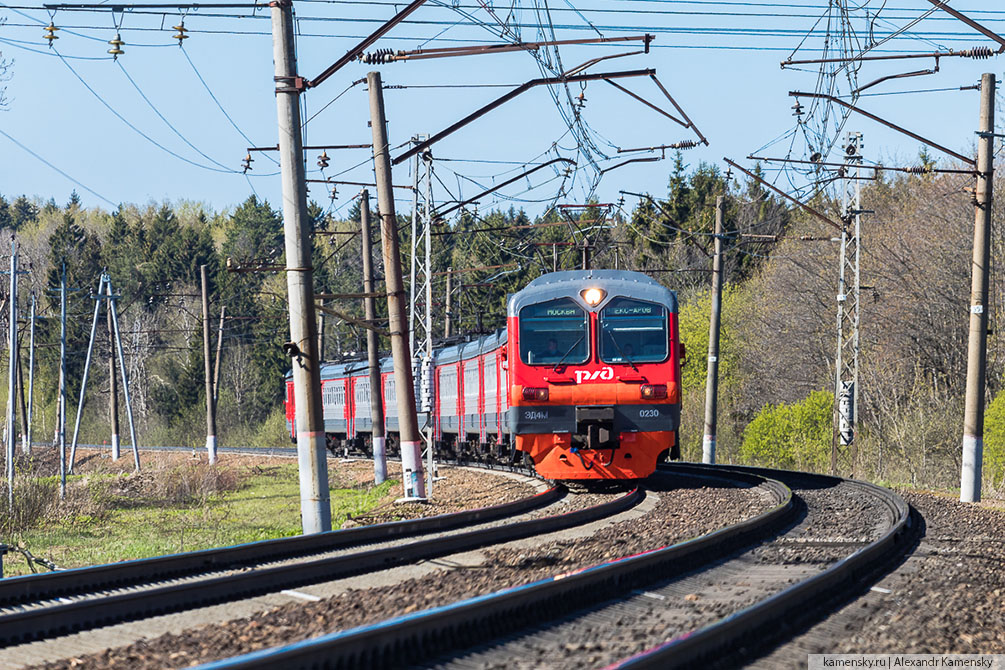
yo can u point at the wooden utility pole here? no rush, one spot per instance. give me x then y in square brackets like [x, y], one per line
[113, 386]
[122, 370]
[977, 349]
[87, 368]
[315, 507]
[712, 381]
[208, 367]
[408, 425]
[372, 345]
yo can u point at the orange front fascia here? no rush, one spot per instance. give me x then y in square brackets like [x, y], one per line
[616, 393]
[635, 457]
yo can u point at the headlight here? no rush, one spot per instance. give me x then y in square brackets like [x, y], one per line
[593, 296]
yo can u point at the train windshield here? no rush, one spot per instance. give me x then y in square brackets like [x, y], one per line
[554, 332]
[633, 331]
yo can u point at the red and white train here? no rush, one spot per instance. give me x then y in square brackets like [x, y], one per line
[584, 382]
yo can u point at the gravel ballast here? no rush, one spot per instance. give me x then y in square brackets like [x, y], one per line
[680, 514]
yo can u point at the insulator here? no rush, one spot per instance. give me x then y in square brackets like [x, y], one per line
[816, 157]
[323, 160]
[117, 45]
[180, 35]
[246, 163]
[50, 33]
[918, 169]
[334, 196]
[379, 56]
[685, 144]
[978, 53]
[798, 109]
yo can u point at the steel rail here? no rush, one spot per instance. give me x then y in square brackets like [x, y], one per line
[397, 641]
[88, 613]
[760, 621]
[48, 585]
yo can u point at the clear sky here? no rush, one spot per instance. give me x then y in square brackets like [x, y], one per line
[164, 123]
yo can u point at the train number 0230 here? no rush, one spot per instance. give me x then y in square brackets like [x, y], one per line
[648, 413]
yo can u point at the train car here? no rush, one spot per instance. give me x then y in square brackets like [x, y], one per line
[584, 383]
[594, 374]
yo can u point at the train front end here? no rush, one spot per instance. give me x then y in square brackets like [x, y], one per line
[594, 374]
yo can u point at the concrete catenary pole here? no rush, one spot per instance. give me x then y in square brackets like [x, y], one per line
[321, 333]
[208, 367]
[977, 349]
[12, 372]
[372, 344]
[448, 303]
[712, 381]
[408, 426]
[21, 404]
[219, 353]
[315, 507]
[31, 373]
[113, 386]
[61, 418]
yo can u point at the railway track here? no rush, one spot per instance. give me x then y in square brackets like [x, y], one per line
[51, 604]
[677, 606]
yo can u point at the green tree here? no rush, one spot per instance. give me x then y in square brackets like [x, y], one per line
[994, 441]
[6, 220]
[795, 436]
[23, 212]
[693, 323]
[69, 244]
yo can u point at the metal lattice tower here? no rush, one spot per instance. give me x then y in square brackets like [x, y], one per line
[420, 315]
[846, 361]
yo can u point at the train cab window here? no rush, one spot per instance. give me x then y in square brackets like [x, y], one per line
[554, 332]
[633, 331]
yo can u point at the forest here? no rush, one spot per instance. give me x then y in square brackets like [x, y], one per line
[778, 336]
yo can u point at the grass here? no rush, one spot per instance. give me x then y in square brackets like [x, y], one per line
[128, 524]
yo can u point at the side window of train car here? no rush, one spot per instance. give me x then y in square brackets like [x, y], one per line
[633, 331]
[554, 332]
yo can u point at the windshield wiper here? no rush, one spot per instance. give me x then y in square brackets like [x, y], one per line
[562, 359]
[622, 352]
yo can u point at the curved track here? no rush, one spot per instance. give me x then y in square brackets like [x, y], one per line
[50, 604]
[771, 618]
[406, 639]
[797, 569]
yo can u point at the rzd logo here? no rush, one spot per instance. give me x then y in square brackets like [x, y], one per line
[587, 376]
